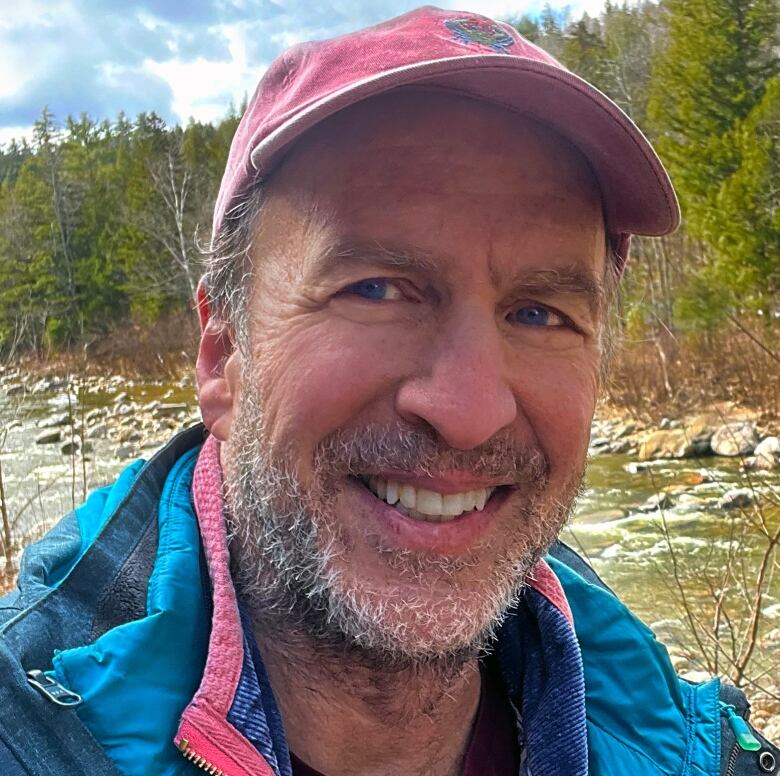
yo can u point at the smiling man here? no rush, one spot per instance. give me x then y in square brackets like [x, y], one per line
[404, 323]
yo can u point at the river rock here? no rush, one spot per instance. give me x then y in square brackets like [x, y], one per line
[657, 501]
[49, 437]
[766, 456]
[672, 443]
[123, 452]
[624, 430]
[93, 415]
[772, 612]
[169, 410]
[62, 419]
[733, 439]
[71, 447]
[99, 431]
[611, 552]
[736, 498]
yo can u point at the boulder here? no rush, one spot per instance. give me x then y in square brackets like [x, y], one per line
[703, 426]
[672, 443]
[49, 437]
[767, 454]
[733, 439]
[736, 498]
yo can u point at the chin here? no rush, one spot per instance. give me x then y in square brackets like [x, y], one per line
[427, 610]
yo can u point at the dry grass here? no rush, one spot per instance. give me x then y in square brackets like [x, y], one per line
[671, 376]
[160, 350]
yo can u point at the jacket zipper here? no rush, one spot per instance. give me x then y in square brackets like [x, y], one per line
[745, 739]
[196, 759]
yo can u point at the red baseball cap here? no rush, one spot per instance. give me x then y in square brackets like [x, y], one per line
[475, 57]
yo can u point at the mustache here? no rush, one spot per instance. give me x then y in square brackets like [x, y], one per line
[374, 448]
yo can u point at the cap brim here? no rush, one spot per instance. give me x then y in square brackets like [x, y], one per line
[638, 195]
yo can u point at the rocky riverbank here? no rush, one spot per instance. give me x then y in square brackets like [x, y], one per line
[83, 410]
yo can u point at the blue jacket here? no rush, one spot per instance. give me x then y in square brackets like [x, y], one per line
[115, 604]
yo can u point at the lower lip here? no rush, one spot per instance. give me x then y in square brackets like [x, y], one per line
[454, 537]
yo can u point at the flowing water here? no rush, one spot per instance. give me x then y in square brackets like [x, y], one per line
[627, 540]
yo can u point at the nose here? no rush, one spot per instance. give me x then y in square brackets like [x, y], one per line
[462, 388]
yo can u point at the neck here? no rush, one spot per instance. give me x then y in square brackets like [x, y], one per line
[344, 713]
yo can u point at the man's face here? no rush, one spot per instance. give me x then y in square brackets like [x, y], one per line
[412, 414]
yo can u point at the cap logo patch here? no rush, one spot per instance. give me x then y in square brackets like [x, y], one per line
[482, 32]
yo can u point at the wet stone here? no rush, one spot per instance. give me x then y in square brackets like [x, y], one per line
[170, 410]
[62, 419]
[736, 498]
[657, 501]
[48, 437]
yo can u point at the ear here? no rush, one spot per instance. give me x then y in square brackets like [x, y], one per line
[217, 370]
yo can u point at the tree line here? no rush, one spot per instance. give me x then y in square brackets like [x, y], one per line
[99, 220]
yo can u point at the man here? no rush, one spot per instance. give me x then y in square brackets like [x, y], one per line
[417, 237]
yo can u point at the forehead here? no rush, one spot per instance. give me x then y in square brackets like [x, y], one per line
[428, 167]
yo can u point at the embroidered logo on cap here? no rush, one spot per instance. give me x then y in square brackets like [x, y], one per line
[483, 32]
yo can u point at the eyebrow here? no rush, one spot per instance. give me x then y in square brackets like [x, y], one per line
[572, 280]
[349, 252]
[567, 280]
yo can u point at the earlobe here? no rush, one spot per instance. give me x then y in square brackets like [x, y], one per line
[216, 370]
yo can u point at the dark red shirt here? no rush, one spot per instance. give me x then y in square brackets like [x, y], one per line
[493, 749]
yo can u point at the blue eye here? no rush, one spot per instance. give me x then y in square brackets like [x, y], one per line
[535, 315]
[377, 289]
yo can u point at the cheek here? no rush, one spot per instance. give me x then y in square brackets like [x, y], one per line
[322, 378]
[558, 397]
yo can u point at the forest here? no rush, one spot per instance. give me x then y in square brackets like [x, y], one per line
[102, 220]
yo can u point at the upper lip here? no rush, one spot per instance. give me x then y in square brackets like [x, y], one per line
[457, 482]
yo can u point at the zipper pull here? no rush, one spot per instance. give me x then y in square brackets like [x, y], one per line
[741, 729]
[53, 690]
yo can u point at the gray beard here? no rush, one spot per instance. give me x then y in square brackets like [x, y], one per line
[286, 543]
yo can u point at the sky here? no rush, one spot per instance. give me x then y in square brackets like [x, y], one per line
[180, 58]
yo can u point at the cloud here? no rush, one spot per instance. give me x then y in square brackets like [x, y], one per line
[179, 59]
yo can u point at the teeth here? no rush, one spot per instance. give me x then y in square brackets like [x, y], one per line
[452, 505]
[428, 504]
[408, 496]
[391, 492]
